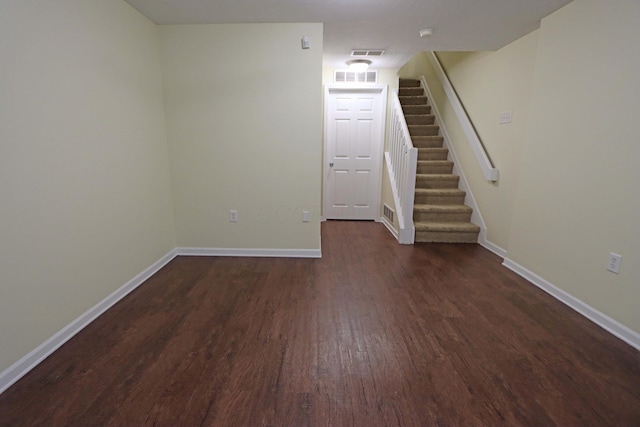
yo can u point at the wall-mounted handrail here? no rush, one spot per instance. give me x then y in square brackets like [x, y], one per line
[490, 172]
[402, 160]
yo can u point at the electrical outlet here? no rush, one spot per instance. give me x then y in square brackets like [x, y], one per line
[306, 216]
[233, 216]
[614, 262]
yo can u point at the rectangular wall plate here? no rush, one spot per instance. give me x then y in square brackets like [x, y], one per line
[614, 263]
[506, 117]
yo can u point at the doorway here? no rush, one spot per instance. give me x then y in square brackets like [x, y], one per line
[354, 140]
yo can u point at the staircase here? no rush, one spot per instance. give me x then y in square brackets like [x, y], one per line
[439, 213]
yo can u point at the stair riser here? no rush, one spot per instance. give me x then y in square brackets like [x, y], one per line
[420, 120]
[435, 169]
[436, 183]
[411, 91]
[413, 100]
[442, 216]
[409, 83]
[425, 154]
[423, 199]
[446, 237]
[416, 109]
[423, 130]
[427, 141]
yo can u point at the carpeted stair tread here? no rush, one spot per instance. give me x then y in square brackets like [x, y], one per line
[412, 100]
[435, 163]
[427, 141]
[423, 130]
[443, 208]
[438, 177]
[465, 227]
[446, 237]
[446, 232]
[420, 119]
[442, 213]
[439, 196]
[433, 153]
[441, 191]
[410, 91]
[416, 109]
[434, 166]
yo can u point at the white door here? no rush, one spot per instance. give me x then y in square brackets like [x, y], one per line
[354, 139]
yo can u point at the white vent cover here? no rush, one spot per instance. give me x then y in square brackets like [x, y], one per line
[346, 76]
[388, 212]
[367, 52]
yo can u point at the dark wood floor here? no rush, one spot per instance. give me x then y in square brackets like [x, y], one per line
[373, 334]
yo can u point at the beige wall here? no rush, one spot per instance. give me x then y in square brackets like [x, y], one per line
[85, 201]
[577, 194]
[244, 122]
[568, 162]
[490, 83]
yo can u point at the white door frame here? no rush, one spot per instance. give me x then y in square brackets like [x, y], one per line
[326, 169]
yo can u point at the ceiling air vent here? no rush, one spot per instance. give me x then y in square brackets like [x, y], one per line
[367, 52]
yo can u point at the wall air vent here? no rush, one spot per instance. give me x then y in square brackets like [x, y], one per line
[367, 52]
[388, 213]
[347, 76]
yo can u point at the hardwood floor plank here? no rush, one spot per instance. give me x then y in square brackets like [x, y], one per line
[372, 334]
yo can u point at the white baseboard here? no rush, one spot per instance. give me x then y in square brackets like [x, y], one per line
[502, 253]
[389, 226]
[608, 324]
[272, 253]
[16, 371]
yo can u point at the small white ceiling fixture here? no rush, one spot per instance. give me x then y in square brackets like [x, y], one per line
[358, 64]
[426, 32]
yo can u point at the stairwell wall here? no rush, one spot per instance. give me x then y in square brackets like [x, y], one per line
[488, 83]
[568, 162]
[491, 83]
[244, 125]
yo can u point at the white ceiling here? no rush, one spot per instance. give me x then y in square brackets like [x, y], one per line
[471, 25]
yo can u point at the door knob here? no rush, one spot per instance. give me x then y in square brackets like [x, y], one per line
[331, 164]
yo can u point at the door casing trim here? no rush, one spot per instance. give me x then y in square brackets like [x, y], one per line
[368, 88]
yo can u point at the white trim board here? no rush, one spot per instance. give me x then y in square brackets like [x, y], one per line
[240, 252]
[389, 226]
[501, 252]
[605, 322]
[20, 368]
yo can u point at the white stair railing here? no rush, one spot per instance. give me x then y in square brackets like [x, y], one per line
[402, 160]
[490, 172]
